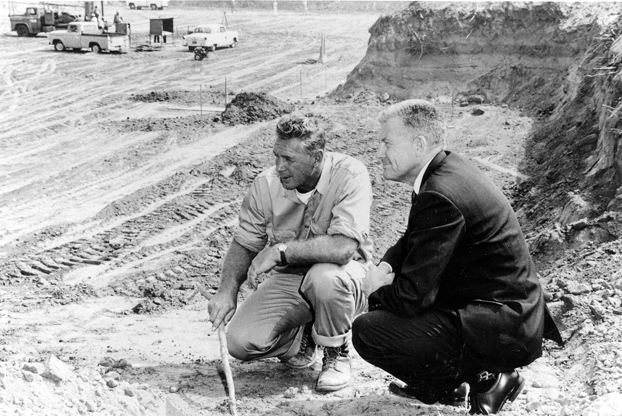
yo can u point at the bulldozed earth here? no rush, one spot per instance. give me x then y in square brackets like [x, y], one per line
[121, 177]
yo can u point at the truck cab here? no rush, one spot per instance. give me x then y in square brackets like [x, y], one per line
[36, 20]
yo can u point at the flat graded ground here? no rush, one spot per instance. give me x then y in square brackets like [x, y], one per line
[115, 176]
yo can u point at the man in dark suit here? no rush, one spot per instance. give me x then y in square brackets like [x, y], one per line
[457, 298]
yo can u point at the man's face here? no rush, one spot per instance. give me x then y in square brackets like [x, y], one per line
[297, 169]
[397, 151]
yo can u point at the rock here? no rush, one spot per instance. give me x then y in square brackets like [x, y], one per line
[575, 209]
[128, 392]
[569, 303]
[90, 406]
[290, 393]
[113, 375]
[598, 312]
[477, 112]
[579, 225]
[577, 288]
[475, 99]
[112, 383]
[56, 370]
[228, 171]
[384, 97]
[28, 376]
[173, 389]
[35, 368]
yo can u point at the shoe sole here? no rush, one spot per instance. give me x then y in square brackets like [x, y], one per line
[329, 389]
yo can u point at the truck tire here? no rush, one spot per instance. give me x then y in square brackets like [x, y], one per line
[154, 7]
[22, 30]
[58, 46]
[234, 43]
[96, 48]
[132, 6]
[213, 47]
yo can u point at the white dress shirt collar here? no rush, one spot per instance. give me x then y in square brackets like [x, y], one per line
[417, 186]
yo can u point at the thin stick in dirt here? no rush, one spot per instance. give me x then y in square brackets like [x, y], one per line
[224, 351]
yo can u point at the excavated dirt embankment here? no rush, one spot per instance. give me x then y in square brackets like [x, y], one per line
[559, 62]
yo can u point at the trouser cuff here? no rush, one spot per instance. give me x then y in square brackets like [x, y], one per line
[331, 341]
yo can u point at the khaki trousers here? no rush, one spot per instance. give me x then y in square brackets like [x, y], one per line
[270, 322]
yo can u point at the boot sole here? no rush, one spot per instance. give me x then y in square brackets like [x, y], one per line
[328, 389]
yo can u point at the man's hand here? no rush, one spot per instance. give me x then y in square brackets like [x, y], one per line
[265, 261]
[375, 278]
[222, 307]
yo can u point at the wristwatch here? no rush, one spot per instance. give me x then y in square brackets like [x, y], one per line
[282, 248]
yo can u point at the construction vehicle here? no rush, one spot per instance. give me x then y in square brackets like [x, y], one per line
[38, 19]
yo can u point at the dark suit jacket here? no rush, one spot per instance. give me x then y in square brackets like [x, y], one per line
[464, 251]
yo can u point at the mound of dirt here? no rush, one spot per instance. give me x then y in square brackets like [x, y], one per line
[251, 107]
[182, 96]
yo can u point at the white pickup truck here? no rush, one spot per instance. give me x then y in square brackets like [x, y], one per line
[211, 37]
[86, 35]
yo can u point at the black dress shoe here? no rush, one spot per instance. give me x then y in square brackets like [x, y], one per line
[507, 387]
[453, 398]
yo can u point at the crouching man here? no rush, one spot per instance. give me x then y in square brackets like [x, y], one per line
[457, 298]
[305, 221]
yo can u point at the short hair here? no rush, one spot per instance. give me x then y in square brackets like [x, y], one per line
[420, 115]
[303, 127]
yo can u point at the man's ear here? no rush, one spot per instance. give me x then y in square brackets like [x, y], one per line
[318, 156]
[421, 144]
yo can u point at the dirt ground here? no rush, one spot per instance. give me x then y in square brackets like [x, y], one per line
[120, 182]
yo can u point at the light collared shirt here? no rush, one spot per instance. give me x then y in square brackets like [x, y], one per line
[419, 179]
[271, 214]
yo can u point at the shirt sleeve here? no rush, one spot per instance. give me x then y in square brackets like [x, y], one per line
[350, 215]
[251, 231]
[435, 230]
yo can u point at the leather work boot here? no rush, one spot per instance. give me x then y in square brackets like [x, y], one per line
[335, 373]
[307, 354]
[507, 387]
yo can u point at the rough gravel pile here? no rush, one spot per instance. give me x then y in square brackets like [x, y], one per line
[250, 107]
[50, 386]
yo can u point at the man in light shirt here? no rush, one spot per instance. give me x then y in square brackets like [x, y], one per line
[305, 222]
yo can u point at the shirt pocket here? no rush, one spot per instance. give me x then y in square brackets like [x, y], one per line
[284, 235]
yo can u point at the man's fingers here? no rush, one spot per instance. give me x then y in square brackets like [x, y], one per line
[252, 277]
[217, 322]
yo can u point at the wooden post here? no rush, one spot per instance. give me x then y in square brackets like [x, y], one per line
[225, 92]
